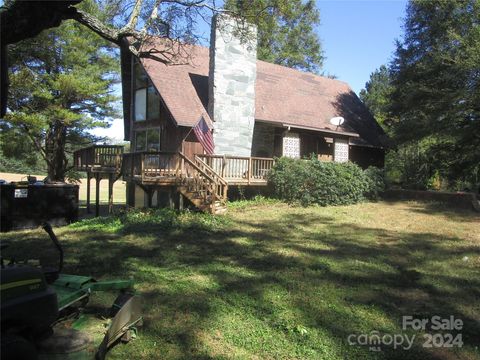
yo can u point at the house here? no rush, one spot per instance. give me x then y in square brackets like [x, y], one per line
[256, 110]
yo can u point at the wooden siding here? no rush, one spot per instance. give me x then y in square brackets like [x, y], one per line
[191, 146]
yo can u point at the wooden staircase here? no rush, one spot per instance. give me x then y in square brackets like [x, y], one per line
[204, 187]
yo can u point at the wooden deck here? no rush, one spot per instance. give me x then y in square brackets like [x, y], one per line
[170, 168]
[204, 180]
[194, 179]
[99, 158]
[99, 162]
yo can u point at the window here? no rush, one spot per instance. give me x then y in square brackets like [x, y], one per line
[140, 141]
[153, 106]
[147, 100]
[153, 140]
[141, 78]
[147, 140]
[291, 145]
[141, 105]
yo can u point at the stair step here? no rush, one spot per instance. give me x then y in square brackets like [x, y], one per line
[220, 211]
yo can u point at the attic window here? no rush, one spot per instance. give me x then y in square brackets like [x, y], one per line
[153, 104]
[141, 78]
[147, 100]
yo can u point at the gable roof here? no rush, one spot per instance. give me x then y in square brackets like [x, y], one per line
[283, 96]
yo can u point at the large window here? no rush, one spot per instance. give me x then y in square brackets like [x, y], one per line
[140, 105]
[153, 105]
[147, 140]
[147, 100]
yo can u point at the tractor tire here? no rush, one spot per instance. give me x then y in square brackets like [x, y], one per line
[15, 347]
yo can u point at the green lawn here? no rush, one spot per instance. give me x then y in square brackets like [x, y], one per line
[119, 194]
[269, 281]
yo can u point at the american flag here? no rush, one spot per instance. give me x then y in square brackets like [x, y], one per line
[204, 135]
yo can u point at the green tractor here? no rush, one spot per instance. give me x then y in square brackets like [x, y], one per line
[43, 312]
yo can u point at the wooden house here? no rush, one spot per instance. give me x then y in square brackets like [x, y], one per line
[256, 110]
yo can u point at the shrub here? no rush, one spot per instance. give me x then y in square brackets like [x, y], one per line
[324, 183]
[376, 182]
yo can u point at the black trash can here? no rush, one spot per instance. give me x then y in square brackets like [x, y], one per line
[25, 206]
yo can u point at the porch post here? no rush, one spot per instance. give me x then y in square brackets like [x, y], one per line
[110, 193]
[97, 194]
[180, 201]
[171, 203]
[149, 192]
[89, 177]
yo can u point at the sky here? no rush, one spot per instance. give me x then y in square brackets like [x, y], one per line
[358, 37]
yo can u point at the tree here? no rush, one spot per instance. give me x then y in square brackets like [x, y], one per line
[376, 95]
[436, 80]
[286, 31]
[61, 86]
[130, 26]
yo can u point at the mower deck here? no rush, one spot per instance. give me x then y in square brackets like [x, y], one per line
[73, 288]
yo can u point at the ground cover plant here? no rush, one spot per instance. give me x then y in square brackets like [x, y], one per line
[273, 281]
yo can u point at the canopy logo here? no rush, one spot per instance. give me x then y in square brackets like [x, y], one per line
[375, 340]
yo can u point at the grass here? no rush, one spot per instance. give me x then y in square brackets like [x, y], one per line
[119, 192]
[269, 281]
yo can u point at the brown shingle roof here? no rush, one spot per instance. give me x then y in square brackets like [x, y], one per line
[283, 95]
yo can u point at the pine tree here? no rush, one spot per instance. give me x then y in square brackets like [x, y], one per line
[60, 87]
[376, 95]
[436, 79]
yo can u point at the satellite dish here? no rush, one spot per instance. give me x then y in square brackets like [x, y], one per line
[337, 121]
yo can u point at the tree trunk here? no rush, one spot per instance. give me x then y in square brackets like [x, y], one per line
[55, 151]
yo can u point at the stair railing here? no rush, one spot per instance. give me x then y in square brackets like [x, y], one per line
[208, 180]
[221, 183]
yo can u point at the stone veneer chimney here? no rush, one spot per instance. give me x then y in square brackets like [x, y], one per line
[231, 86]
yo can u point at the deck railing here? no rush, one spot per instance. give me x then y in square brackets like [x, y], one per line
[98, 157]
[167, 167]
[150, 165]
[240, 169]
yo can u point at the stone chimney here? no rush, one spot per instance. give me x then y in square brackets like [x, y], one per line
[231, 85]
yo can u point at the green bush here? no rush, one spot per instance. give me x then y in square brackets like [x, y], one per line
[324, 183]
[376, 182]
